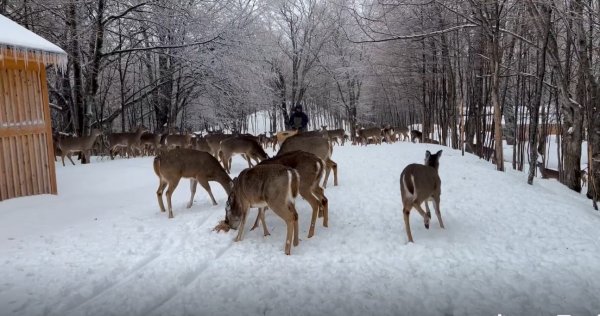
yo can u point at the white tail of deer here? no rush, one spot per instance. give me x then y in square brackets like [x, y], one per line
[201, 167]
[83, 144]
[418, 184]
[311, 169]
[547, 173]
[274, 186]
[317, 146]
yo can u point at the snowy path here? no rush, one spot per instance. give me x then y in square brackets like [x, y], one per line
[102, 247]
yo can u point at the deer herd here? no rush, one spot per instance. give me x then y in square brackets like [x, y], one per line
[301, 166]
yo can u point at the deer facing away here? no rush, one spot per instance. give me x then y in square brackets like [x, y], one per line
[418, 184]
[201, 167]
[274, 186]
[83, 144]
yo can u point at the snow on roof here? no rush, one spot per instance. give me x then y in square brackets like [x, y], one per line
[18, 39]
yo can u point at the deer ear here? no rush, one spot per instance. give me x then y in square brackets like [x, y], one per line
[427, 154]
[439, 154]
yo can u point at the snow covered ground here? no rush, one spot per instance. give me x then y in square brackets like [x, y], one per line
[102, 247]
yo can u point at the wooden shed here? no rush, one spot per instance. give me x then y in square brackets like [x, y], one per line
[26, 151]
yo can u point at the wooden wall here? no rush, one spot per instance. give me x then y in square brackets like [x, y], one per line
[26, 151]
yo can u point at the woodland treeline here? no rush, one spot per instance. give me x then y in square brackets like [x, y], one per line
[465, 72]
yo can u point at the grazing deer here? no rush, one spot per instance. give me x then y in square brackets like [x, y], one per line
[547, 173]
[201, 167]
[274, 186]
[414, 135]
[245, 146]
[418, 184]
[83, 144]
[181, 141]
[402, 131]
[150, 142]
[214, 142]
[366, 133]
[282, 136]
[130, 141]
[317, 146]
[310, 168]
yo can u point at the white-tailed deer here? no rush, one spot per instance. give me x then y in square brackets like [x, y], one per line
[150, 142]
[387, 133]
[418, 184]
[274, 186]
[176, 140]
[428, 140]
[366, 133]
[245, 146]
[214, 142]
[83, 144]
[402, 132]
[584, 177]
[130, 141]
[282, 136]
[547, 173]
[414, 135]
[335, 135]
[170, 166]
[310, 168]
[317, 146]
[200, 143]
[484, 152]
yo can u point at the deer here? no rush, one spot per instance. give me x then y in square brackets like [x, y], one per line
[130, 141]
[547, 173]
[170, 166]
[584, 177]
[214, 142]
[271, 185]
[282, 136]
[245, 146]
[176, 140]
[310, 168]
[402, 131]
[387, 133]
[83, 144]
[366, 133]
[418, 184]
[200, 143]
[337, 135]
[317, 146]
[481, 151]
[150, 142]
[428, 140]
[415, 134]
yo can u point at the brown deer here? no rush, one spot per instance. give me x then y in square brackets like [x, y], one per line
[547, 173]
[150, 142]
[584, 177]
[335, 135]
[310, 168]
[484, 152]
[83, 144]
[418, 184]
[428, 140]
[317, 146]
[282, 136]
[214, 142]
[170, 166]
[414, 135]
[402, 131]
[366, 133]
[200, 143]
[130, 141]
[274, 186]
[176, 140]
[387, 133]
[245, 146]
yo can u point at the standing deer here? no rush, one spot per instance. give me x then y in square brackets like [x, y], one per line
[547, 173]
[282, 136]
[243, 145]
[214, 142]
[274, 186]
[317, 146]
[402, 131]
[336, 135]
[130, 141]
[150, 142]
[310, 168]
[200, 143]
[414, 135]
[179, 163]
[83, 144]
[366, 133]
[418, 184]
[176, 140]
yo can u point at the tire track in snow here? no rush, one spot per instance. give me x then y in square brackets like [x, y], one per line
[192, 277]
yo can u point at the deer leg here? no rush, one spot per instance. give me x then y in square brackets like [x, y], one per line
[406, 212]
[204, 183]
[264, 224]
[193, 185]
[69, 156]
[436, 204]
[312, 199]
[63, 159]
[327, 172]
[428, 212]
[240, 234]
[256, 220]
[170, 190]
[425, 215]
[248, 160]
[324, 202]
[159, 193]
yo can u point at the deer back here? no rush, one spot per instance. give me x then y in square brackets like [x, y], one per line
[318, 146]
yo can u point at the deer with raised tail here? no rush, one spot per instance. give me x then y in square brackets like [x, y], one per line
[170, 166]
[83, 144]
[418, 184]
[274, 186]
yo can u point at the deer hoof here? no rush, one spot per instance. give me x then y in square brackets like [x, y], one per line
[427, 225]
[189, 205]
